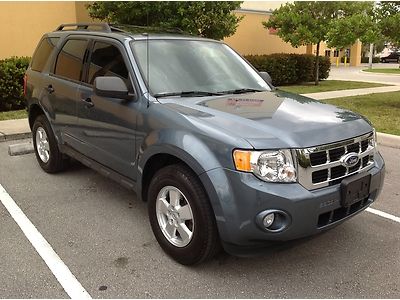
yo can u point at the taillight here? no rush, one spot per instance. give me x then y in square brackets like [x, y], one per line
[25, 82]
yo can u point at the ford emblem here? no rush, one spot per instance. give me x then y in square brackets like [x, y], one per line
[350, 160]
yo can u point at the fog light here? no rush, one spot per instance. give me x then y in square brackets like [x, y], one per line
[273, 220]
[268, 220]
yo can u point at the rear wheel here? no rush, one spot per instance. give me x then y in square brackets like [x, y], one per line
[45, 144]
[181, 215]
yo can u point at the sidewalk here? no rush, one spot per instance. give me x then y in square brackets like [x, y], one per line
[14, 130]
[354, 92]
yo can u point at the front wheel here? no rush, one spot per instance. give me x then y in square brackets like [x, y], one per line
[181, 216]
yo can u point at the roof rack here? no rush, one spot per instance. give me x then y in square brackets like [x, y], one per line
[122, 28]
[89, 27]
[147, 29]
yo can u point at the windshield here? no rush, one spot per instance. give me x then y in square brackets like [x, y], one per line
[194, 67]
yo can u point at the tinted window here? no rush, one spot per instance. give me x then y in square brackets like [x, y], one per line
[107, 60]
[43, 52]
[70, 59]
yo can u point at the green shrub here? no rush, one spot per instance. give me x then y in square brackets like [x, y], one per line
[12, 72]
[365, 60]
[290, 68]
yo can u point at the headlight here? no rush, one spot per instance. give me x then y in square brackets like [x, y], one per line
[271, 166]
[374, 141]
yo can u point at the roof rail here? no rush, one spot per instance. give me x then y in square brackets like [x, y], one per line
[122, 28]
[89, 26]
[147, 29]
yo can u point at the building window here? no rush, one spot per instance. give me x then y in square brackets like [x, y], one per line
[336, 53]
[328, 53]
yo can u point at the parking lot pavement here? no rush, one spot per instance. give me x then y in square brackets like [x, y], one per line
[355, 74]
[23, 273]
[102, 234]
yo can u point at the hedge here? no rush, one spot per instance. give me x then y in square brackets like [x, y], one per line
[290, 68]
[12, 72]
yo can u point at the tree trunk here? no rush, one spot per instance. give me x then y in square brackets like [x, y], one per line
[371, 54]
[317, 66]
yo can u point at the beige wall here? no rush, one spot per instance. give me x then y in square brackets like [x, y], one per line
[355, 53]
[252, 38]
[22, 24]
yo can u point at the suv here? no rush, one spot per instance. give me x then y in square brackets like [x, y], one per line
[220, 155]
[393, 56]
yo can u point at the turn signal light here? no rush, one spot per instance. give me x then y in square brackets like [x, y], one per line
[242, 160]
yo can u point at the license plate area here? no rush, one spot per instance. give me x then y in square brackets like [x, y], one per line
[355, 188]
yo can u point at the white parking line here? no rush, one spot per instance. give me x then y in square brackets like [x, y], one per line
[383, 214]
[64, 276]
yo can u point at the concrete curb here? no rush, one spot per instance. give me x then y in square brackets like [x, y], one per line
[388, 140]
[15, 136]
[377, 73]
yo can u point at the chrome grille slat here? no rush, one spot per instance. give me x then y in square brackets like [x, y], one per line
[309, 161]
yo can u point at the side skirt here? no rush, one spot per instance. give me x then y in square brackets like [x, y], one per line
[103, 170]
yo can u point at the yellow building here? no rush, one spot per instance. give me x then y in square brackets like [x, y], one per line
[252, 37]
[23, 23]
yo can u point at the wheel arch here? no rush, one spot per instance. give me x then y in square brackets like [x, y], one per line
[162, 159]
[34, 111]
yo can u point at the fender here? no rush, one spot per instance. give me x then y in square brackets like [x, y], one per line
[183, 145]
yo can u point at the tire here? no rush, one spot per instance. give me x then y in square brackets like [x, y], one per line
[168, 183]
[49, 157]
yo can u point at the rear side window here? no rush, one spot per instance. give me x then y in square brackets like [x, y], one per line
[107, 60]
[43, 52]
[69, 62]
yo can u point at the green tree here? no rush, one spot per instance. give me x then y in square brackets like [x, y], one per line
[389, 20]
[209, 19]
[355, 21]
[303, 23]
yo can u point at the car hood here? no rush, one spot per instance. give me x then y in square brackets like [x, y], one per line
[273, 119]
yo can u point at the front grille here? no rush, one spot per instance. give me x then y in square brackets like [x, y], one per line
[322, 166]
[341, 212]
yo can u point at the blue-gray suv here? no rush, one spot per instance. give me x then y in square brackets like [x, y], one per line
[221, 156]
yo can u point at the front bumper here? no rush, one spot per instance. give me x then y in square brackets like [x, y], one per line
[237, 198]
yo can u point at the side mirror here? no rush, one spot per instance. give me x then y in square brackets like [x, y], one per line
[111, 87]
[266, 77]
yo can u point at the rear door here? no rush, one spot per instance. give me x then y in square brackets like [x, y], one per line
[62, 87]
[107, 125]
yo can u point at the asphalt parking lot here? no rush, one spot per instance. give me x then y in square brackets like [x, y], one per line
[103, 236]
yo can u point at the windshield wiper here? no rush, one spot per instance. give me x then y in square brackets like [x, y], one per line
[242, 91]
[187, 94]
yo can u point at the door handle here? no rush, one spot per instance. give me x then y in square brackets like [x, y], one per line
[88, 102]
[50, 89]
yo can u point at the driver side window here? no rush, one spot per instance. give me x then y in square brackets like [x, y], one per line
[107, 60]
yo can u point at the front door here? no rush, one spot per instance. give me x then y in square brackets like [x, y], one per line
[107, 125]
